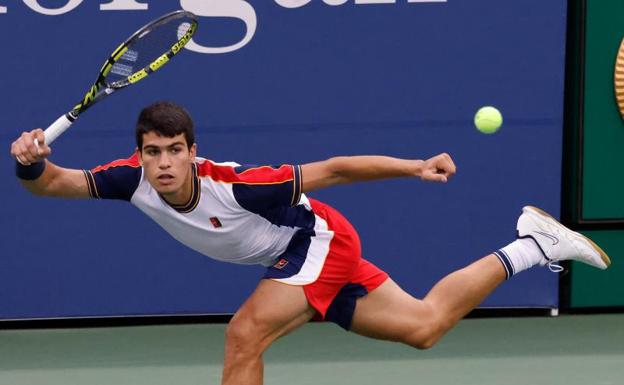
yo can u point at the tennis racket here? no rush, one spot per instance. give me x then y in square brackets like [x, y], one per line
[146, 51]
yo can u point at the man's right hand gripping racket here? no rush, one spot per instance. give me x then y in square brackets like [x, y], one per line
[147, 50]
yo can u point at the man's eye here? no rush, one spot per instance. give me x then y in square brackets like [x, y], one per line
[175, 150]
[152, 152]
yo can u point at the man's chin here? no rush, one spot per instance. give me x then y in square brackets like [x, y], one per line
[165, 189]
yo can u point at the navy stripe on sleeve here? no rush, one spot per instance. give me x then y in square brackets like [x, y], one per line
[114, 183]
[267, 187]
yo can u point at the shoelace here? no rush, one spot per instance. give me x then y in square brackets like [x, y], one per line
[555, 267]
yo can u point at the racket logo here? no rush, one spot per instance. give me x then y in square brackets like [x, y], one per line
[88, 98]
[121, 69]
[183, 36]
[130, 55]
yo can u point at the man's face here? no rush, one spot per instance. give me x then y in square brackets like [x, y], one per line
[166, 162]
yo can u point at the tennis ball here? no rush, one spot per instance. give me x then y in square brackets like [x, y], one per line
[488, 119]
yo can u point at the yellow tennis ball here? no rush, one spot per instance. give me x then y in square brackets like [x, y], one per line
[488, 119]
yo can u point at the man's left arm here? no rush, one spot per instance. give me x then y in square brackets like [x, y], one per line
[350, 169]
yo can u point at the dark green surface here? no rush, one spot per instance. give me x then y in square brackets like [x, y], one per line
[592, 287]
[566, 350]
[603, 132]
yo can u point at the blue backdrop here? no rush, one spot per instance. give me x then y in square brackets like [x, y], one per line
[285, 81]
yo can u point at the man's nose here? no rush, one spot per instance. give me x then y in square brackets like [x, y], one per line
[164, 161]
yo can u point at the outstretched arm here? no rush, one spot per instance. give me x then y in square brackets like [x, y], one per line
[349, 169]
[54, 180]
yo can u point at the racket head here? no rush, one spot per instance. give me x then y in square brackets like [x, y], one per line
[143, 53]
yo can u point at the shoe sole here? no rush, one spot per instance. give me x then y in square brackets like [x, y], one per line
[605, 258]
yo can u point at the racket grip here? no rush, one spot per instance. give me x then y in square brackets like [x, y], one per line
[57, 128]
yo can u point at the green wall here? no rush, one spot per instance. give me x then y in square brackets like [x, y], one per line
[592, 287]
[603, 127]
[599, 149]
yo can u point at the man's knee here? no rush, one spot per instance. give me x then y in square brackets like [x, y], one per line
[243, 337]
[422, 338]
[422, 342]
[427, 330]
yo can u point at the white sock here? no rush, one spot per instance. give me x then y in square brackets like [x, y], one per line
[519, 255]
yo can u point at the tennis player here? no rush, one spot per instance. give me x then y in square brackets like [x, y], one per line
[312, 255]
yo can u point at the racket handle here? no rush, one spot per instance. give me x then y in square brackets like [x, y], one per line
[56, 129]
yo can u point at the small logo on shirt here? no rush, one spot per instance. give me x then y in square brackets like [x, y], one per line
[280, 264]
[215, 222]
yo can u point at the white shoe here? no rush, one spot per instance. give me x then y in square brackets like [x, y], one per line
[557, 242]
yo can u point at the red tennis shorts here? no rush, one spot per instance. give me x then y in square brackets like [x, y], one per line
[343, 275]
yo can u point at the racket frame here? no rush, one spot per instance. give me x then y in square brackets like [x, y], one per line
[101, 89]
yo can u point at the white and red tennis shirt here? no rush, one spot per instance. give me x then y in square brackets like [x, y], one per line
[238, 214]
[256, 215]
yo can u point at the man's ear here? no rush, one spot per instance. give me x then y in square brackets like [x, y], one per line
[139, 155]
[193, 151]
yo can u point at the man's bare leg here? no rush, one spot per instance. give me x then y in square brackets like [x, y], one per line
[273, 310]
[392, 314]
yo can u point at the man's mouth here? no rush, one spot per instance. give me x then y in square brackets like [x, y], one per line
[165, 178]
